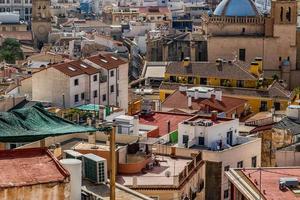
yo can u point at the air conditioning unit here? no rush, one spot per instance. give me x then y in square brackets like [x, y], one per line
[94, 168]
[72, 154]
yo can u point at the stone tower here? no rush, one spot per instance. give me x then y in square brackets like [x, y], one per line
[284, 16]
[41, 22]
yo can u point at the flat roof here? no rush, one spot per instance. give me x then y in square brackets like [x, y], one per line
[160, 119]
[102, 191]
[157, 175]
[25, 167]
[249, 180]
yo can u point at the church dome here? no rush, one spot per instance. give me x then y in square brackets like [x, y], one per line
[236, 8]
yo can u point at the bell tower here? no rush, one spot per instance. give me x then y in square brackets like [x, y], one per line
[41, 22]
[284, 11]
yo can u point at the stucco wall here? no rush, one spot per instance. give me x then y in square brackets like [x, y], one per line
[49, 85]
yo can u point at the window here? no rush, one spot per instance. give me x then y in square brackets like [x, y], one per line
[76, 98]
[203, 81]
[104, 97]
[240, 83]
[14, 28]
[95, 78]
[76, 82]
[263, 106]
[242, 54]
[17, 1]
[253, 161]
[7, 1]
[226, 168]
[240, 164]
[95, 93]
[2, 2]
[3, 28]
[226, 194]
[112, 73]
[112, 88]
[82, 96]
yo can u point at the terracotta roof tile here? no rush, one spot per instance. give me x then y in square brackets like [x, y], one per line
[75, 68]
[179, 100]
[107, 61]
[210, 69]
[19, 35]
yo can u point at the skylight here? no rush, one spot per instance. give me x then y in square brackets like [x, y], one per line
[84, 66]
[72, 69]
[105, 61]
[114, 58]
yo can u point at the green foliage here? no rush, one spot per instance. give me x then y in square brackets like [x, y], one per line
[11, 51]
[296, 91]
[275, 77]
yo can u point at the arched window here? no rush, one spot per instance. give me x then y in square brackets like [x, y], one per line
[288, 14]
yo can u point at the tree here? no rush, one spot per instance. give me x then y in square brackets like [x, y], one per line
[11, 51]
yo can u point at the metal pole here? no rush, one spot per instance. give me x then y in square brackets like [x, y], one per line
[113, 163]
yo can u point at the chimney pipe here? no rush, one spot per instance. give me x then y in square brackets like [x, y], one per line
[189, 101]
[214, 115]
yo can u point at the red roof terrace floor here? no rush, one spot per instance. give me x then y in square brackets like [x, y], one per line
[160, 119]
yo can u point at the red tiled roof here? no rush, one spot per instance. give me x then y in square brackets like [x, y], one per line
[19, 35]
[270, 181]
[107, 61]
[21, 167]
[75, 68]
[179, 100]
[160, 119]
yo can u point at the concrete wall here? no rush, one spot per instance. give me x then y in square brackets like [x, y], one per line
[26, 87]
[9, 102]
[123, 86]
[49, 191]
[230, 157]
[287, 158]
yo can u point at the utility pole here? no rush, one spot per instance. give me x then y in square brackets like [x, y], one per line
[112, 142]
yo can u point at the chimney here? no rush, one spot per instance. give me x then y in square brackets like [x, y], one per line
[219, 64]
[213, 97]
[259, 60]
[186, 62]
[189, 101]
[92, 138]
[214, 115]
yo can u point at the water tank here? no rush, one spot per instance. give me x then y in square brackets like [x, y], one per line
[74, 168]
[293, 111]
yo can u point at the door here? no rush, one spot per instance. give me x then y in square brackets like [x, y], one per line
[185, 140]
[229, 138]
[201, 140]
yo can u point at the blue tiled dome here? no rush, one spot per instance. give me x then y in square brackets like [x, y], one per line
[238, 8]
